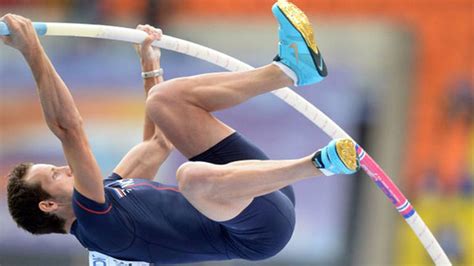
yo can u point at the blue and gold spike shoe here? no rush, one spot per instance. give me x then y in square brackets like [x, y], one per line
[297, 48]
[338, 157]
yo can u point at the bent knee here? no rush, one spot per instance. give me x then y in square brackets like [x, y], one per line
[172, 96]
[170, 89]
[195, 179]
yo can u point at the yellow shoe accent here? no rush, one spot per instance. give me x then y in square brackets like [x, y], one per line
[300, 21]
[347, 152]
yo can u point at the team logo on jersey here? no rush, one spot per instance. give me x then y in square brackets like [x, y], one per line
[120, 187]
[124, 183]
[121, 192]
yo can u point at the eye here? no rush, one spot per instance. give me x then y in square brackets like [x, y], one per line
[55, 175]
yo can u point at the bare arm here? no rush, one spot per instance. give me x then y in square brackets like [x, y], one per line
[144, 160]
[60, 112]
[150, 60]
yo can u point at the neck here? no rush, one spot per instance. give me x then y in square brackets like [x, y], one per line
[66, 212]
[68, 224]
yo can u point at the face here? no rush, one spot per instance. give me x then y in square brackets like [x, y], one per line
[58, 181]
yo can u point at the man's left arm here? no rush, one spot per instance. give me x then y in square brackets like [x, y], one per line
[144, 160]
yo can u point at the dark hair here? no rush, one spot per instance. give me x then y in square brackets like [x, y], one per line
[23, 202]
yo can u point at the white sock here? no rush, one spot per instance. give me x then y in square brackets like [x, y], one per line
[290, 73]
[326, 172]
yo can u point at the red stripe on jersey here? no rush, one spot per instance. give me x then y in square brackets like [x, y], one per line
[92, 211]
[153, 186]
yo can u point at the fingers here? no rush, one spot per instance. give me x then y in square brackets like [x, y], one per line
[6, 18]
[16, 22]
[153, 33]
[157, 33]
[146, 52]
[13, 26]
[13, 20]
[9, 20]
[22, 36]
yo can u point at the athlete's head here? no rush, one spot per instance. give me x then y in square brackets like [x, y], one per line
[39, 197]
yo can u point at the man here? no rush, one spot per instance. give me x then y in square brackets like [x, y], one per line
[231, 201]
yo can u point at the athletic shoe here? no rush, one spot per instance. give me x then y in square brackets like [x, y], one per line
[338, 157]
[297, 48]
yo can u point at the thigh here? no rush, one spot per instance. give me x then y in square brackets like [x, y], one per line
[232, 148]
[237, 148]
[191, 129]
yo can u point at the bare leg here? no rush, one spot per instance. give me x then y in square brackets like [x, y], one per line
[221, 192]
[182, 109]
[182, 106]
[219, 91]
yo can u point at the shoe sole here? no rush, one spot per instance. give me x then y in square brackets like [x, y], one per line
[300, 21]
[347, 152]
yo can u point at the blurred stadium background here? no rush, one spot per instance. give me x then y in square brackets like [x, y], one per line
[400, 82]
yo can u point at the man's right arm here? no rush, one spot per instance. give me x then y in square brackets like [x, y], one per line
[59, 109]
[57, 103]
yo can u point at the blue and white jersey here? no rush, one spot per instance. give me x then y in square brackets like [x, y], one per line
[143, 220]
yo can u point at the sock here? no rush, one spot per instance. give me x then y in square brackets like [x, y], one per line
[318, 162]
[290, 73]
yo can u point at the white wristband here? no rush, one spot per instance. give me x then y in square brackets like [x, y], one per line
[153, 74]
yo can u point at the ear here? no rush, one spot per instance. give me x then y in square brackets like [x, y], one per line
[48, 206]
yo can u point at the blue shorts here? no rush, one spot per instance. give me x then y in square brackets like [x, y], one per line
[263, 228]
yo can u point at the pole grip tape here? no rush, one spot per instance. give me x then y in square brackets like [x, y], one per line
[40, 28]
